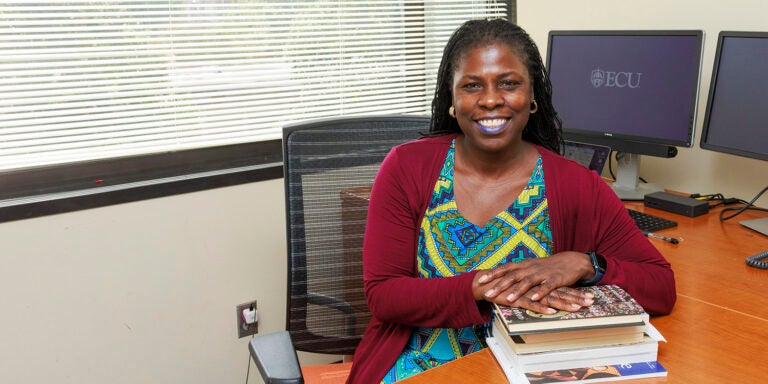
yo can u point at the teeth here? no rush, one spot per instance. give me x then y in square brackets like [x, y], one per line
[492, 123]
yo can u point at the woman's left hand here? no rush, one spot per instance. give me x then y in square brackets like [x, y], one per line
[563, 298]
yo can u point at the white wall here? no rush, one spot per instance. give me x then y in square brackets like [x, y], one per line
[694, 170]
[142, 292]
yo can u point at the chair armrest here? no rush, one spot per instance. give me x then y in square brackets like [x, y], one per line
[276, 359]
[339, 305]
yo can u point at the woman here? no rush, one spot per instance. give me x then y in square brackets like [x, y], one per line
[484, 210]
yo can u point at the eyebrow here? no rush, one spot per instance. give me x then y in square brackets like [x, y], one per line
[502, 75]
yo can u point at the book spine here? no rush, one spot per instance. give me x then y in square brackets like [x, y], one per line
[610, 373]
[503, 356]
[587, 362]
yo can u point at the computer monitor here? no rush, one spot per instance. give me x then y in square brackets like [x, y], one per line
[634, 91]
[736, 118]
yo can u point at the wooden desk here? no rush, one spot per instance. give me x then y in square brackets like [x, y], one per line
[718, 330]
[709, 261]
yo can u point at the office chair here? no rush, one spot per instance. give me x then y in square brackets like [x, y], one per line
[329, 166]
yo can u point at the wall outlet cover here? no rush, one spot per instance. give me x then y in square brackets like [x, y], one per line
[244, 329]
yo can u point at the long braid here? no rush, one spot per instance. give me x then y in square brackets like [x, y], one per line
[442, 122]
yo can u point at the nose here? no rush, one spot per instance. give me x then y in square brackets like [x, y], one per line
[490, 98]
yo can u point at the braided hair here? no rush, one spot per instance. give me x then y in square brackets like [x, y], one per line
[544, 127]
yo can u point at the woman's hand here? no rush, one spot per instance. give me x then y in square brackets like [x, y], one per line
[540, 285]
[563, 298]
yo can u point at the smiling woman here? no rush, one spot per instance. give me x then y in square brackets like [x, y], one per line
[485, 210]
[105, 94]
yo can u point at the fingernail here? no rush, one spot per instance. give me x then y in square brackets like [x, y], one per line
[490, 292]
[589, 301]
[550, 311]
[535, 297]
[575, 306]
[483, 279]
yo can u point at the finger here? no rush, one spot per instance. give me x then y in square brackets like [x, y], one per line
[582, 297]
[542, 289]
[536, 306]
[586, 298]
[522, 287]
[554, 301]
[494, 273]
[485, 276]
[499, 285]
[567, 299]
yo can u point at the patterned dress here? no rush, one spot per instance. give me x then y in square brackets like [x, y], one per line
[450, 245]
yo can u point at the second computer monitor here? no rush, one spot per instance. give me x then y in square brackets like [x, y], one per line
[634, 91]
[736, 118]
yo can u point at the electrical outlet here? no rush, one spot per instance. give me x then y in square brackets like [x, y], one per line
[243, 328]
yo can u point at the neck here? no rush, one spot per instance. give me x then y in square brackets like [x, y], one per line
[499, 164]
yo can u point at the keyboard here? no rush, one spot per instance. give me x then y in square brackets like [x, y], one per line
[650, 223]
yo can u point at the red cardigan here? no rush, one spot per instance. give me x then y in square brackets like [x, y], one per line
[585, 215]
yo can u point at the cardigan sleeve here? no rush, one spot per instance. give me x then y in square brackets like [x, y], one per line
[395, 292]
[633, 263]
[587, 215]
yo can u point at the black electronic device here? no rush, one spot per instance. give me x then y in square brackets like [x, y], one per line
[633, 91]
[737, 106]
[681, 205]
[592, 156]
[650, 223]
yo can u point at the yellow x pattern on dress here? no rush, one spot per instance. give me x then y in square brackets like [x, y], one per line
[519, 235]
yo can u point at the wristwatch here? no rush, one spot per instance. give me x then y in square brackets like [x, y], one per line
[598, 263]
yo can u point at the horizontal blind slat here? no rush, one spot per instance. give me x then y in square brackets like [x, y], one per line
[90, 80]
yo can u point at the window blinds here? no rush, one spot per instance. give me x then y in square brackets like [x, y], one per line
[88, 80]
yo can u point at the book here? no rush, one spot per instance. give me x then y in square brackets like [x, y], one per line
[520, 345]
[326, 373]
[612, 307]
[646, 350]
[616, 372]
[583, 333]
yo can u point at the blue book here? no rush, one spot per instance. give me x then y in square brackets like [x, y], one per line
[600, 373]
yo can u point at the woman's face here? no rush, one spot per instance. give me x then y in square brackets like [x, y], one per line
[492, 96]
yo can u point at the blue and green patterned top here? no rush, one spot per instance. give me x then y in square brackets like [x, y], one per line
[450, 245]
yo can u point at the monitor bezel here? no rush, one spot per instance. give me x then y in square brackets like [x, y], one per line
[711, 94]
[644, 145]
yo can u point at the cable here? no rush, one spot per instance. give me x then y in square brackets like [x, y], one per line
[756, 260]
[717, 197]
[610, 164]
[747, 205]
[248, 373]
[709, 197]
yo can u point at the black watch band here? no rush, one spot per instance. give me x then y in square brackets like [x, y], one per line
[598, 263]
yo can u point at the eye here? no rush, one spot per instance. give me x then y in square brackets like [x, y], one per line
[509, 84]
[471, 86]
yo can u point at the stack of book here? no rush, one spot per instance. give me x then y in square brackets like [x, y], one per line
[609, 340]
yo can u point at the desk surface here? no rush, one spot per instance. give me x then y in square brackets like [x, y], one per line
[718, 329]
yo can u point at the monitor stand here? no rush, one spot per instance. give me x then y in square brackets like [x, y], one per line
[626, 185]
[759, 225]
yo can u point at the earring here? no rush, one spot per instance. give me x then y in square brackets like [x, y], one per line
[452, 112]
[534, 106]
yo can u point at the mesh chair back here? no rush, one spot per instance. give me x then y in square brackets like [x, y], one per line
[329, 167]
